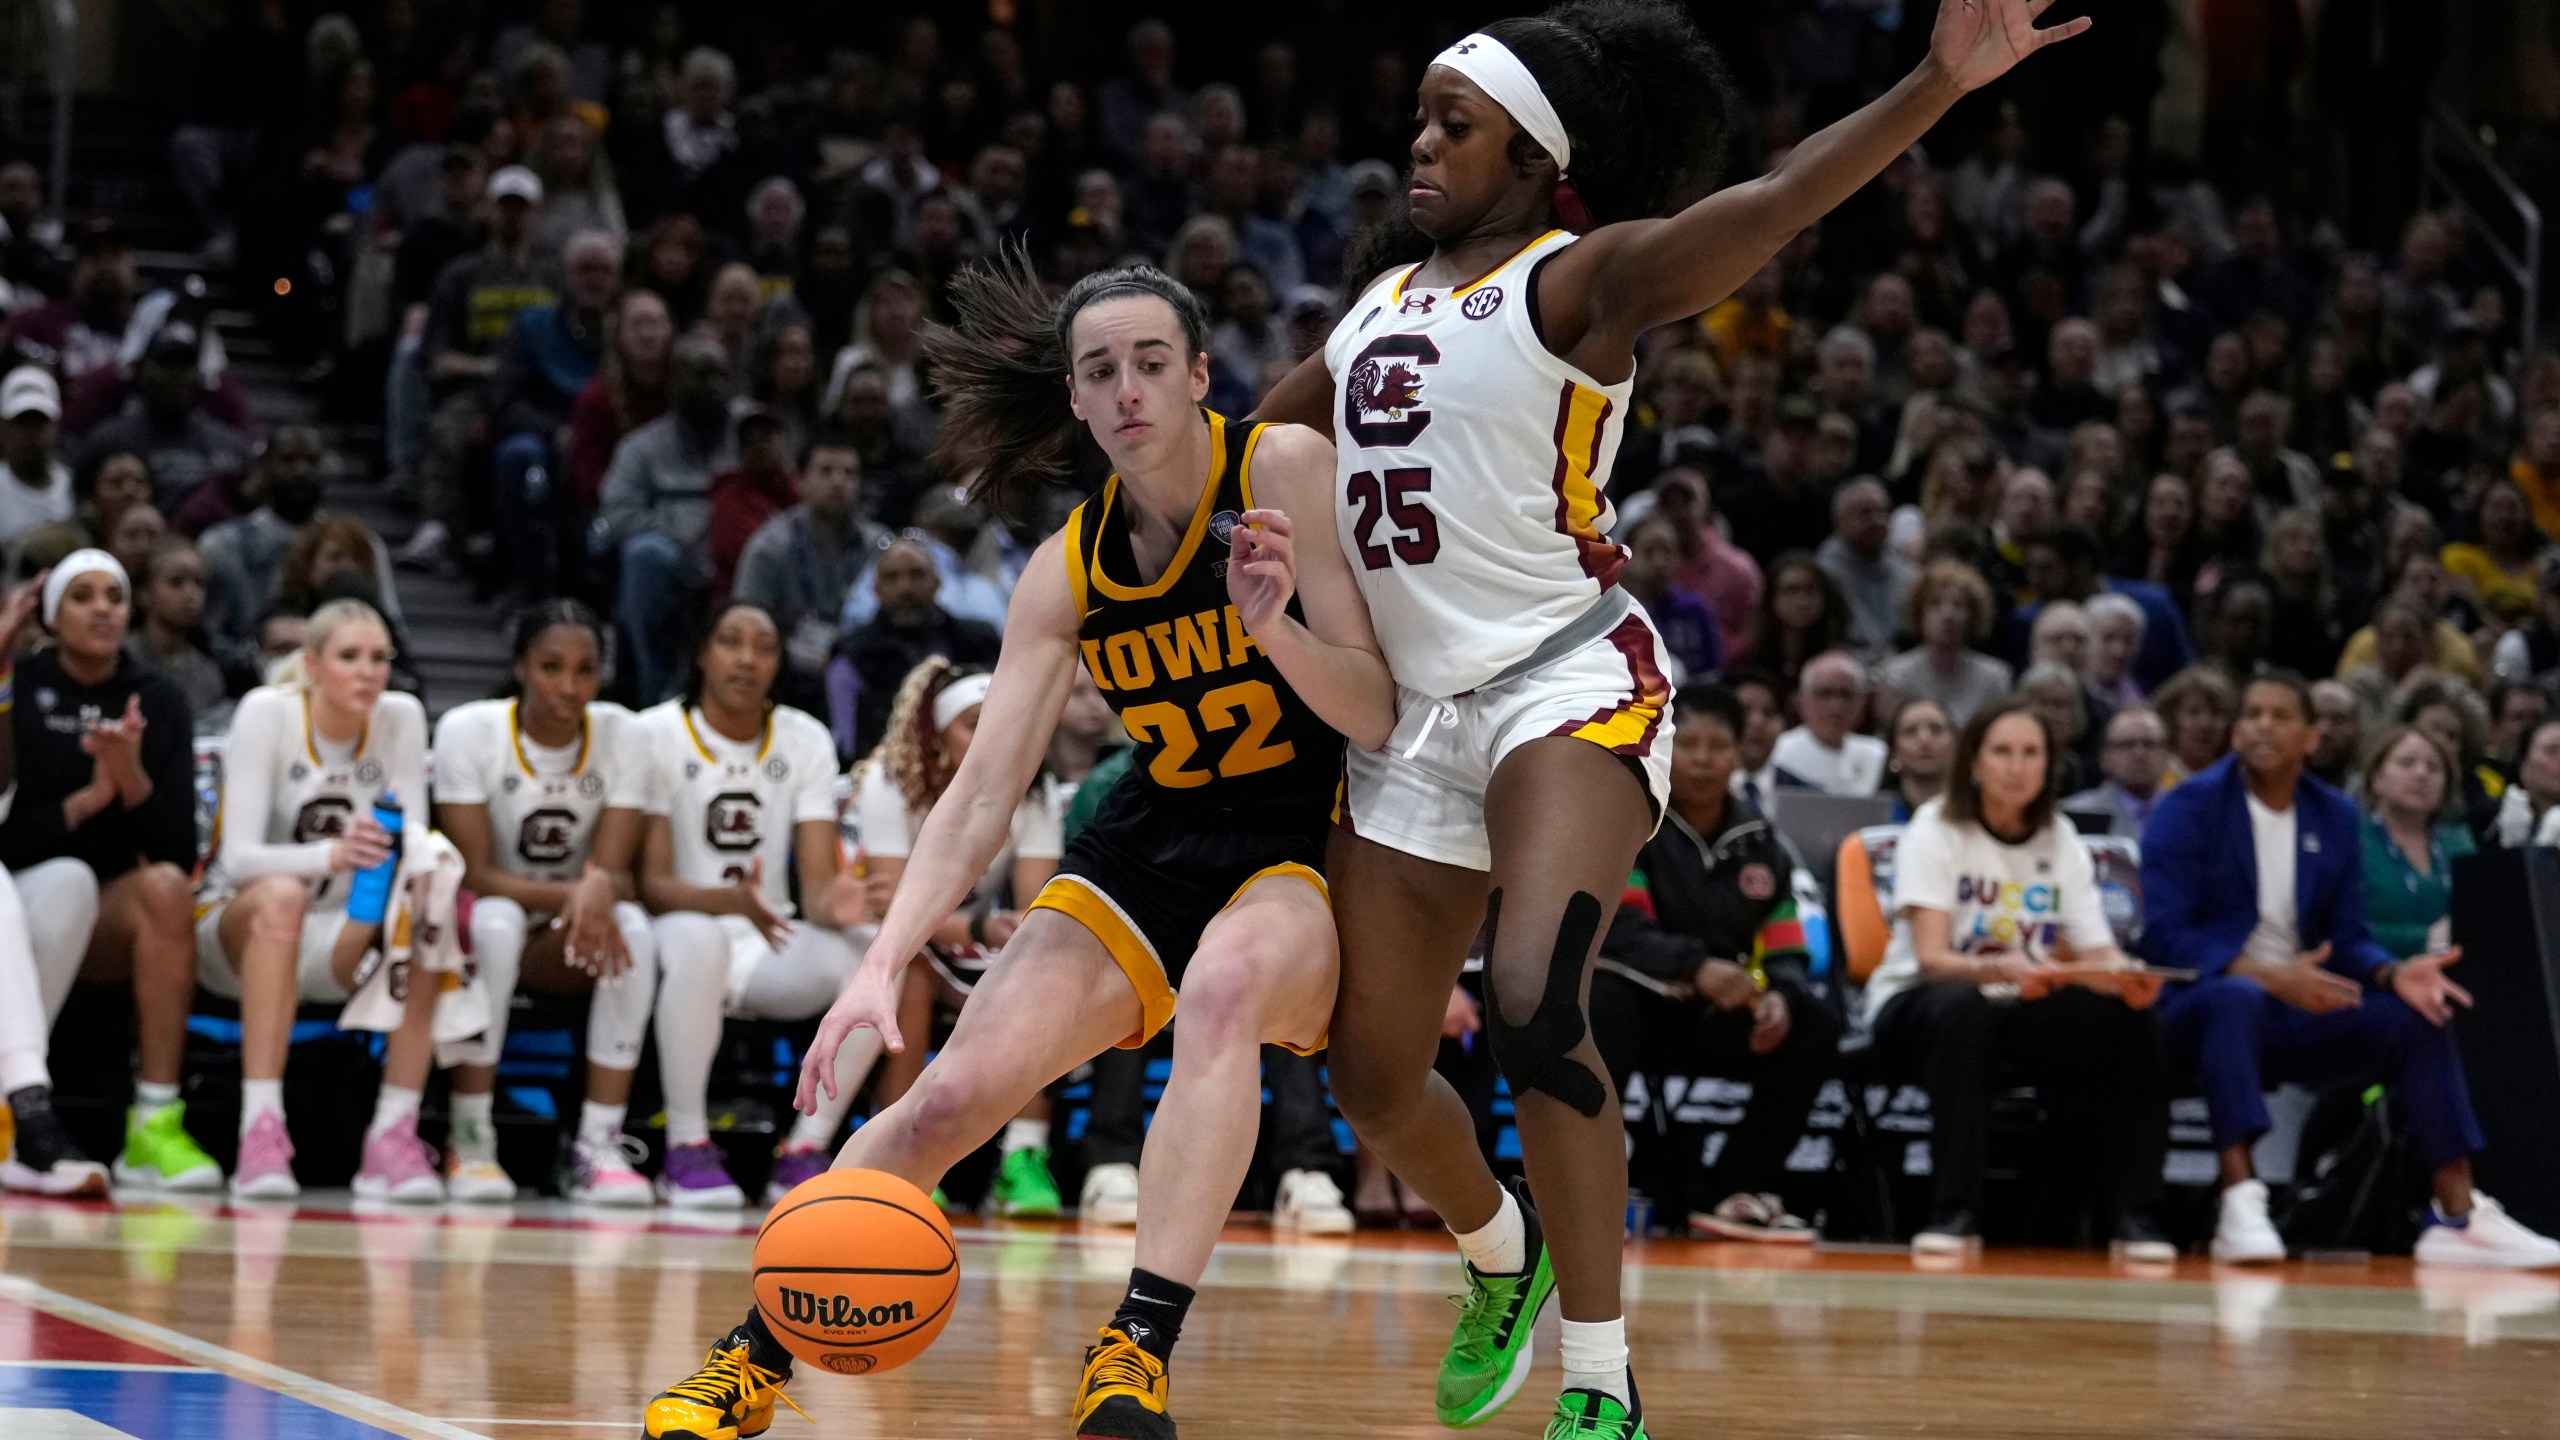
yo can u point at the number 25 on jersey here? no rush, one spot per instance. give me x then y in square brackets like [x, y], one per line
[1412, 533]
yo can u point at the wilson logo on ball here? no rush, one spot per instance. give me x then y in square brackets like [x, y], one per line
[839, 1312]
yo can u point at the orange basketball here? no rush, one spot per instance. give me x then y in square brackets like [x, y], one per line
[856, 1272]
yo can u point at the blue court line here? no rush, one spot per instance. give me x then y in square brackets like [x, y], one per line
[175, 1405]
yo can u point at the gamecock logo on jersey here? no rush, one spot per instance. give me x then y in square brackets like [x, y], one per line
[733, 821]
[547, 836]
[322, 819]
[1382, 397]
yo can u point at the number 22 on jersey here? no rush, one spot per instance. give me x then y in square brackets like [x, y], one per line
[1249, 704]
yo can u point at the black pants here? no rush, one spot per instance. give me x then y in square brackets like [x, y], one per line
[2075, 1044]
[1300, 1133]
[1673, 1043]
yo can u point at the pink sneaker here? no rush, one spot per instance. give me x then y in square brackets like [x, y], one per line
[400, 1167]
[265, 1169]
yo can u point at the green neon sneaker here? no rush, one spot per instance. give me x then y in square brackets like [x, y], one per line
[1597, 1415]
[1024, 1189]
[1489, 1353]
[159, 1154]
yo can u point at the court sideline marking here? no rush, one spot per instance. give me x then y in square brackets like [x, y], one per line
[321, 1393]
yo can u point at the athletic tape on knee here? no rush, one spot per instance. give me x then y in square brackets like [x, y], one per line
[1538, 1054]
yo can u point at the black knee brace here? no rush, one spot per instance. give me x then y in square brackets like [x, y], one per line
[1538, 1053]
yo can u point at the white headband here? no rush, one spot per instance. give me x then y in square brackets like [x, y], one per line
[75, 565]
[1507, 83]
[957, 697]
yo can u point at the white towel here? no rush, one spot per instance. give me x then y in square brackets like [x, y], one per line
[422, 936]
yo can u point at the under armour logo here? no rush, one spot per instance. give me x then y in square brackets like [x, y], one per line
[1416, 305]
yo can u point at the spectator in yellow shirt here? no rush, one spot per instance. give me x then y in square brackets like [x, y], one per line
[2497, 573]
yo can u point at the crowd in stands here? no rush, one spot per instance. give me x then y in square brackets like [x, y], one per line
[2060, 462]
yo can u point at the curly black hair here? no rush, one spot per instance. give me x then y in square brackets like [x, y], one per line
[1643, 96]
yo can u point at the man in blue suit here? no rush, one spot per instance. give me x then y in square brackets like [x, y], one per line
[2253, 876]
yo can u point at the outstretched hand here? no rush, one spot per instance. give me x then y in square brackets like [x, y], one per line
[1977, 41]
[868, 1001]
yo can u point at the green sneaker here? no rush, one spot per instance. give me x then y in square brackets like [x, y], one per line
[1024, 1189]
[1596, 1415]
[159, 1154]
[1489, 1353]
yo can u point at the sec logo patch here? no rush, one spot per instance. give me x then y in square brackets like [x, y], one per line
[1481, 303]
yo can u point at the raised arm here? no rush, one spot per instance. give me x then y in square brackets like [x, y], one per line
[1333, 660]
[1627, 278]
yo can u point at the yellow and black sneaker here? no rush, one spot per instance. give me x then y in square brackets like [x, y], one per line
[1123, 1395]
[730, 1398]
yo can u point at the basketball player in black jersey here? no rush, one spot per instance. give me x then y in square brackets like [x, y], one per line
[1237, 662]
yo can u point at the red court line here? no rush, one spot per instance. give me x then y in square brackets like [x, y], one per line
[30, 1334]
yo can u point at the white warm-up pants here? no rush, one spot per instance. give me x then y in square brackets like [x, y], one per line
[714, 966]
[617, 1021]
[46, 914]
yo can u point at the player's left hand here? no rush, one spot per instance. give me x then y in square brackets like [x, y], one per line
[1978, 41]
[1262, 567]
[594, 943]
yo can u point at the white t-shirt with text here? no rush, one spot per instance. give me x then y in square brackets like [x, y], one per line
[2030, 899]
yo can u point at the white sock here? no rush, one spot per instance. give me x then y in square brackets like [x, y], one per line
[260, 1097]
[1595, 1358]
[22, 1068]
[395, 1104]
[475, 1131]
[599, 1123]
[150, 1097]
[1502, 1246]
[1026, 1135]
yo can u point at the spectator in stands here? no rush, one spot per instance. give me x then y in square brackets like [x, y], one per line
[475, 302]
[84, 331]
[628, 391]
[1920, 748]
[2063, 562]
[2239, 621]
[2453, 717]
[244, 557]
[1687, 627]
[2163, 546]
[578, 191]
[2529, 813]
[2001, 963]
[35, 486]
[701, 137]
[2060, 636]
[1806, 616]
[2198, 704]
[893, 445]
[729, 310]
[136, 531]
[1872, 578]
[102, 489]
[2516, 707]
[2132, 757]
[1704, 971]
[278, 930]
[2398, 663]
[170, 604]
[2062, 702]
[910, 627]
[657, 508]
[801, 564]
[1950, 609]
[2536, 469]
[1824, 749]
[104, 770]
[782, 374]
[887, 333]
[2496, 575]
[549, 356]
[2413, 832]
[1757, 776]
[760, 486]
[166, 423]
[33, 263]
[2306, 623]
[2295, 986]
[2342, 729]
[1711, 567]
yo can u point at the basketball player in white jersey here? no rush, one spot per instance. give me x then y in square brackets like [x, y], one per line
[1476, 393]
[543, 794]
[742, 792]
[306, 759]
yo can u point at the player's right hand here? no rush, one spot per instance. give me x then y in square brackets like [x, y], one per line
[869, 999]
[752, 907]
[1262, 567]
[363, 846]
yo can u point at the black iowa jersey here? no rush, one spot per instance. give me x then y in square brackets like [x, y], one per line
[1219, 734]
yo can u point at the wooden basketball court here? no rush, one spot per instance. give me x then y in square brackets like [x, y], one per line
[157, 1322]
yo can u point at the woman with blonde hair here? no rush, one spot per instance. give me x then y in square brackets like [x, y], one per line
[1950, 610]
[306, 761]
[2198, 705]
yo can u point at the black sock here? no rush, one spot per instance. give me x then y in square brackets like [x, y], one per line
[32, 1101]
[1152, 1312]
[762, 1349]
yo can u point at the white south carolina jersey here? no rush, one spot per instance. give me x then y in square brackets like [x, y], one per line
[288, 794]
[732, 803]
[543, 803]
[1473, 471]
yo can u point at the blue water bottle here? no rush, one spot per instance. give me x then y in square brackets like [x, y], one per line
[369, 898]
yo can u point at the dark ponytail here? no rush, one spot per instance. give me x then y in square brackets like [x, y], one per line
[1643, 97]
[1002, 367]
[532, 622]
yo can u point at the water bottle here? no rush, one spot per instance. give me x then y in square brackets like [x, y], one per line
[369, 898]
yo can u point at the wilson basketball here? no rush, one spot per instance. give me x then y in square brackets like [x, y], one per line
[856, 1272]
